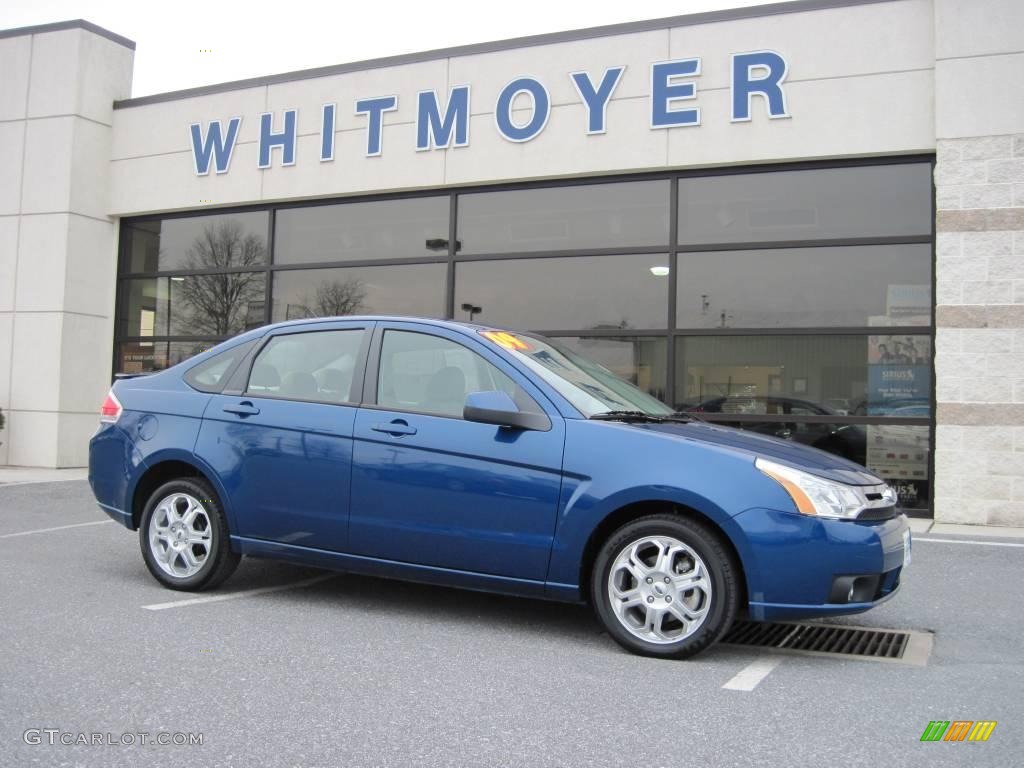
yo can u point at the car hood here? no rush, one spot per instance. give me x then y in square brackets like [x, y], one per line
[803, 457]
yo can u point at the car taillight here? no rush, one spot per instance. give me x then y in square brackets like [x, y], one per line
[110, 411]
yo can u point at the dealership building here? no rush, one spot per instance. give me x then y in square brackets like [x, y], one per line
[805, 219]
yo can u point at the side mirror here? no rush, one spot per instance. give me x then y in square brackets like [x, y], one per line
[501, 410]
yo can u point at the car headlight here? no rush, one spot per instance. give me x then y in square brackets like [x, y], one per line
[817, 496]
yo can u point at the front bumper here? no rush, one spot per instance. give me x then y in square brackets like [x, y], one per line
[805, 566]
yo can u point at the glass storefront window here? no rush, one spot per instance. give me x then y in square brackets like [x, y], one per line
[179, 351]
[409, 289]
[849, 287]
[825, 203]
[565, 218]
[572, 293]
[751, 322]
[140, 246]
[388, 229]
[141, 357]
[193, 305]
[640, 360]
[899, 454]
[854, 375]
[223, 241]
[149, 356]
[896, 453]
[144, 307]
[216, 305]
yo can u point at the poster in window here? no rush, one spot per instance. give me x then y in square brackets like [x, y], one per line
[899, 385]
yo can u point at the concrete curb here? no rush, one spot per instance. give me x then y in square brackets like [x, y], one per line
[26, 475]
[950, 529]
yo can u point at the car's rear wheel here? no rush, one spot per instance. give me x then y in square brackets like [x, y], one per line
[665, 586]
[184, 536]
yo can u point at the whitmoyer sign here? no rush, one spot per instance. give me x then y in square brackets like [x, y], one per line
[521, 111]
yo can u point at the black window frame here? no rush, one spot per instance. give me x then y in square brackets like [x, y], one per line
[243, 373]
[371, 377]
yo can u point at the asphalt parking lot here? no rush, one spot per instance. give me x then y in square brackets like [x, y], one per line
[340, 670]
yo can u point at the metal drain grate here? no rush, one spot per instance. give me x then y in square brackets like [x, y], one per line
[834, 640]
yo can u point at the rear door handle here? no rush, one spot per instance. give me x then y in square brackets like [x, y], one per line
[242, 409]
[396, 428]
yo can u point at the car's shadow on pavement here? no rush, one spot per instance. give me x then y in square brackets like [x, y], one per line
[412, 602]
[405, 601]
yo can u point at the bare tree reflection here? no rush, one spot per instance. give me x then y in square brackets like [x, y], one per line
[337, 297]
[224, 304]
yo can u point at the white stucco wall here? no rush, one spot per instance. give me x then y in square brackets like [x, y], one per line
[57, 240]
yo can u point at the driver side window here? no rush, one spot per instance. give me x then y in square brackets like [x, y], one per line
[429, 374]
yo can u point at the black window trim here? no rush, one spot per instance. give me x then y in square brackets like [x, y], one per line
[358, 371]
[371, 378]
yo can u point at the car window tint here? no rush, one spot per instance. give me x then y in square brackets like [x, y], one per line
[317, 365]
[429, 374]
[211, 375]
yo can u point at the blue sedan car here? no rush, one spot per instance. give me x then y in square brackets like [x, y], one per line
[473, 457]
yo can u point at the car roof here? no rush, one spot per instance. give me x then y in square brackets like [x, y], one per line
[455, 325]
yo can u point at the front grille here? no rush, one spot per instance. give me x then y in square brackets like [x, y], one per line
[863, 642]
[879, 513]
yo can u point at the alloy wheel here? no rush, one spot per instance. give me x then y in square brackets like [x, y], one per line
[659, 589]
[180, 535]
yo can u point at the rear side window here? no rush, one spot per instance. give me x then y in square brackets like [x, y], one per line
[211, 375]
[318, 366]
[429, 374]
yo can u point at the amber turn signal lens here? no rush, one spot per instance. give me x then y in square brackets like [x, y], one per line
[801, 499]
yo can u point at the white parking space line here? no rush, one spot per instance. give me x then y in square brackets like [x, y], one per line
[237, 595]
[57, 528]
[966, 541]
[748, 678]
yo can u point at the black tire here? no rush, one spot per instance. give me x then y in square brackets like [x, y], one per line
[722, 605]
[219, 562]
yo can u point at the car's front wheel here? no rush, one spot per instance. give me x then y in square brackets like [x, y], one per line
[665, 586]
[184, 536]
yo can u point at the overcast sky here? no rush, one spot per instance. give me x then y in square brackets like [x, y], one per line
[248, 39]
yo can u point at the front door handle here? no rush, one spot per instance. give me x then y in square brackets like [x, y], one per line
[244, 408]
[396, 428]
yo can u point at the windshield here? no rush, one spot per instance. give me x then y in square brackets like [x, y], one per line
[590, 387]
